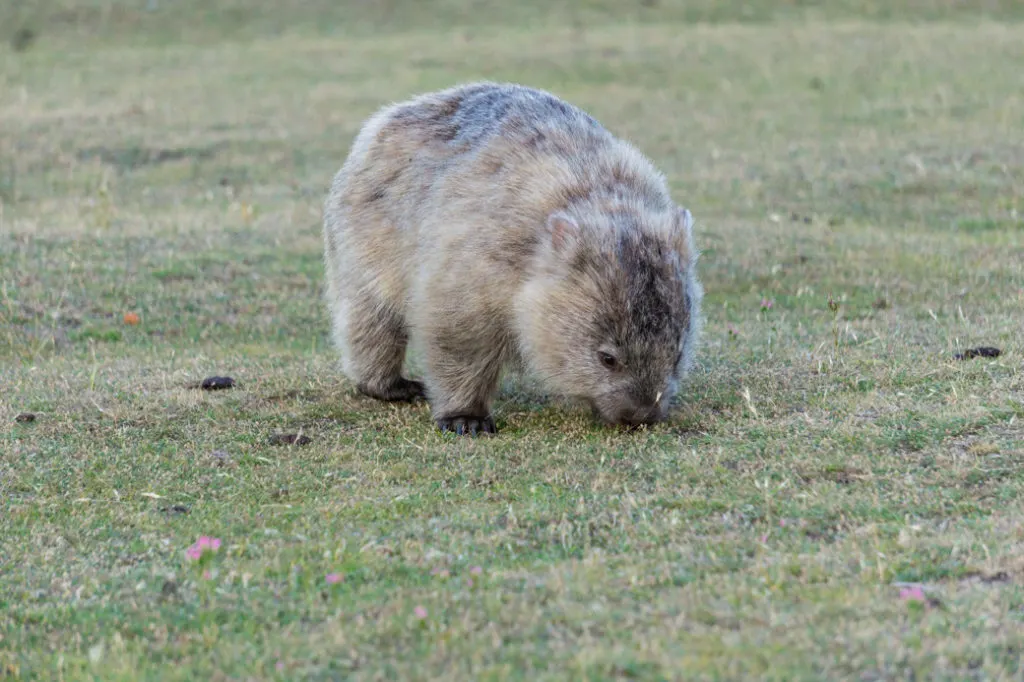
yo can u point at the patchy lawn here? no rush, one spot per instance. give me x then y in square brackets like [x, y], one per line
[836, 495]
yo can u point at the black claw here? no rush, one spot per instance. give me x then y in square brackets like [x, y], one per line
[462, 425]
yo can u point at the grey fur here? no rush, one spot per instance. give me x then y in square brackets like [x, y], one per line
[493, 223]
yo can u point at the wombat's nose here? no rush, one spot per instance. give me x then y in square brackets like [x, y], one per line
[643, 414]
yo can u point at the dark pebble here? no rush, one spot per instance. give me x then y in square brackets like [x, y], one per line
[25, 418]
[290, 439]
[979, 352]
[175, 509]
[216, 383]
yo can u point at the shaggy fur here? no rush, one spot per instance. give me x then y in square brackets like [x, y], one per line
[493, 223]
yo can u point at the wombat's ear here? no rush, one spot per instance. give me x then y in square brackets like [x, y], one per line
[684, 232]
[564, 232]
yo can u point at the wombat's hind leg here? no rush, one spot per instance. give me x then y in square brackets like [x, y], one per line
[375, 341]
[400, 390]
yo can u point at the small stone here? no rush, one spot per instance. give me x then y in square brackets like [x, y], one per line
[290, 439]
[220, 457]
[25, 418]
[1000, 577]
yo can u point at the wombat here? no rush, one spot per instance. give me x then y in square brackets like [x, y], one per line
[495, 225]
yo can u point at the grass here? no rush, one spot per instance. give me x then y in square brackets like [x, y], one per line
[821, 458]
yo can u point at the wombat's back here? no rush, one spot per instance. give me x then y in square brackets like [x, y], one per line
[503, 146]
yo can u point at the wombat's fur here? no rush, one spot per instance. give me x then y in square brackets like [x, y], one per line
[493, 224]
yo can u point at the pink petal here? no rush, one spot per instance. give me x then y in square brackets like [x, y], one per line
[206, 542]
[333, 578]
[206, 575]
[476, 570]
[912, 594]
[420, 612]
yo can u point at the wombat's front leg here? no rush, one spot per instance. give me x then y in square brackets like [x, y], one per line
[459, 386]
[467, 425]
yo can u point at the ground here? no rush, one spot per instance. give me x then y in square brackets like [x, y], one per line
[836, 495]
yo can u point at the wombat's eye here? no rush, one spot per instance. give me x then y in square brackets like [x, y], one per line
[608, 361]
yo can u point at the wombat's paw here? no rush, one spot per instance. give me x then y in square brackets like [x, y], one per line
[399, 391]
[467, 425]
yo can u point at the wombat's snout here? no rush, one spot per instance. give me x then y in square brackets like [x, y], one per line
[635, 415]
[630, 414]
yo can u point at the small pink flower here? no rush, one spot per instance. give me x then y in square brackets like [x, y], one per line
[782, 523]
[766, 304]
[764, 538]
[203, 544]
[732, 330]
[333, 578]
[441, 572]
[206, 541]
[280, 665]
[469, 582]
[914, 593]
[476, 570]
[207, 575]
[420, 612]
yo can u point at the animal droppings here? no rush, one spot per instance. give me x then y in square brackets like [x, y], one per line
[216, 383]
[979, 352]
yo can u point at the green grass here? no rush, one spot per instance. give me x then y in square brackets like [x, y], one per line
[172, 164]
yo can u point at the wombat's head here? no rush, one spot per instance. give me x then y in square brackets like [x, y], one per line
[613, 311]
